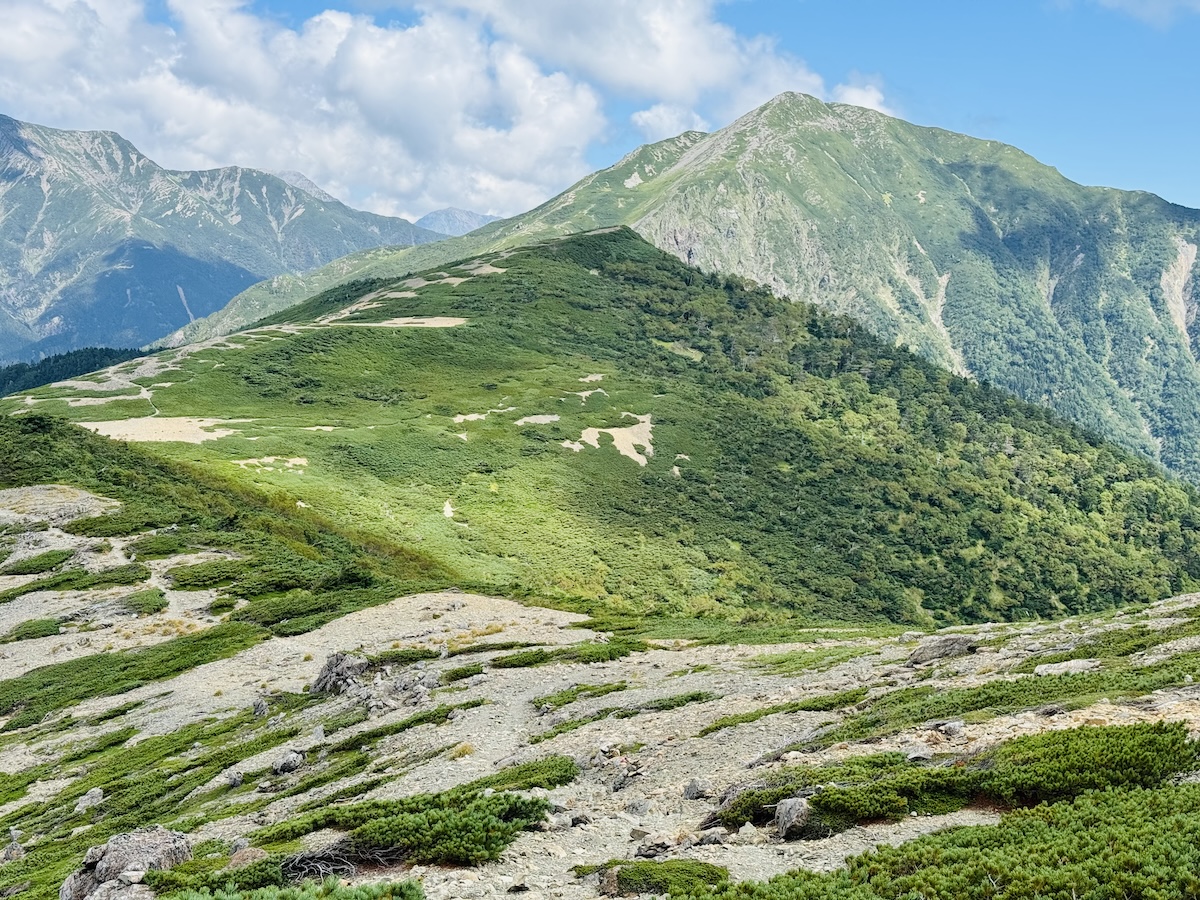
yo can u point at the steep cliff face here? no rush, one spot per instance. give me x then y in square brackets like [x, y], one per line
[968, 251]
[100, 245]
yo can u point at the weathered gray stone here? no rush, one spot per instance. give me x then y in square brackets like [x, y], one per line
[946, 646]
[108, 870]
[92, 798]
[791, 816]
[1068, 667]
[289, 762]
[339, 674]
[697, 789]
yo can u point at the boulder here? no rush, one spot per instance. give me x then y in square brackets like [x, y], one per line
[339, 674]
[656, 844]
[697, 789]
[1069, 667]
[945, 646]
[92, 798]
[289, 762]
[108, 870]
[260, 707]
[791, 816]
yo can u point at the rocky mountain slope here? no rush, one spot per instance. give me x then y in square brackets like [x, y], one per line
[99, 245]
[573, 572]
[643, 761]
[968, 251]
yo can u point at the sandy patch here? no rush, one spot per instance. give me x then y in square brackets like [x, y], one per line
[587, 379]
[319, 428]
[185, 429]
[271, 463]
[448, 510]
[625, 440]
[367, 302]
[53, 503]
[479, 417]
[537, 420]
[461, 435]
[481, 267]
[583, 395]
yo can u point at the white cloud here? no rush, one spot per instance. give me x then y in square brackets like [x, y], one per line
[863, 92]
[1156, 12]
[664, 120]
[484, 104]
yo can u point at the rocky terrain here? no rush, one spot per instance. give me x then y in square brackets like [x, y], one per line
[649, 774]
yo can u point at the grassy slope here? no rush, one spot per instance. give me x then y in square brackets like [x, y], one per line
[829, 475]
[1052, 290]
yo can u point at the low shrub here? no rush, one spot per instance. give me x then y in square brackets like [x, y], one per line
[33, 628]
[36, 565]
[147, 602]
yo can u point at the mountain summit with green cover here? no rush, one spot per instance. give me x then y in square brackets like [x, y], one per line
[594, 423]
[968, 251]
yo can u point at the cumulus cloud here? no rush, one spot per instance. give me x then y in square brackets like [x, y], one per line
[486, 104]
[863, 92]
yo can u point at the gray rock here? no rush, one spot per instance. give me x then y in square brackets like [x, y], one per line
[946, 646]
[656, 845]
[260, 707]
[12, 852]
[339, 674]
[638, 807]
[289, 762]
[697, 789]
[919, 752]
[92, 798]
[791, 816]
[108, 870]
[1068, 667]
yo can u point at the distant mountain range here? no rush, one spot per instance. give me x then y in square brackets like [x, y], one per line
[100, 245]
[454, 222]
[969, 251]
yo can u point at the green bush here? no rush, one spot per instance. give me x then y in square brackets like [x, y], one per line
[1044, 768]
[331, 889]
[34, 628]
[36, 565]
[568, 696]
[159, 546]
[147, 602]
[1115, 843]
[436, 716]
[81, 580]
[671, 876]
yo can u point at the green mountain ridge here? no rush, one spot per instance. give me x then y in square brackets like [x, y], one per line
[970, 252]
[98, 244]
[594, 423]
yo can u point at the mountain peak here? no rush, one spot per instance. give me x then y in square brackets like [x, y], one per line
[306, 184]
[453, 221]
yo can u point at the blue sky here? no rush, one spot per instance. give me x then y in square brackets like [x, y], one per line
[496, 105]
